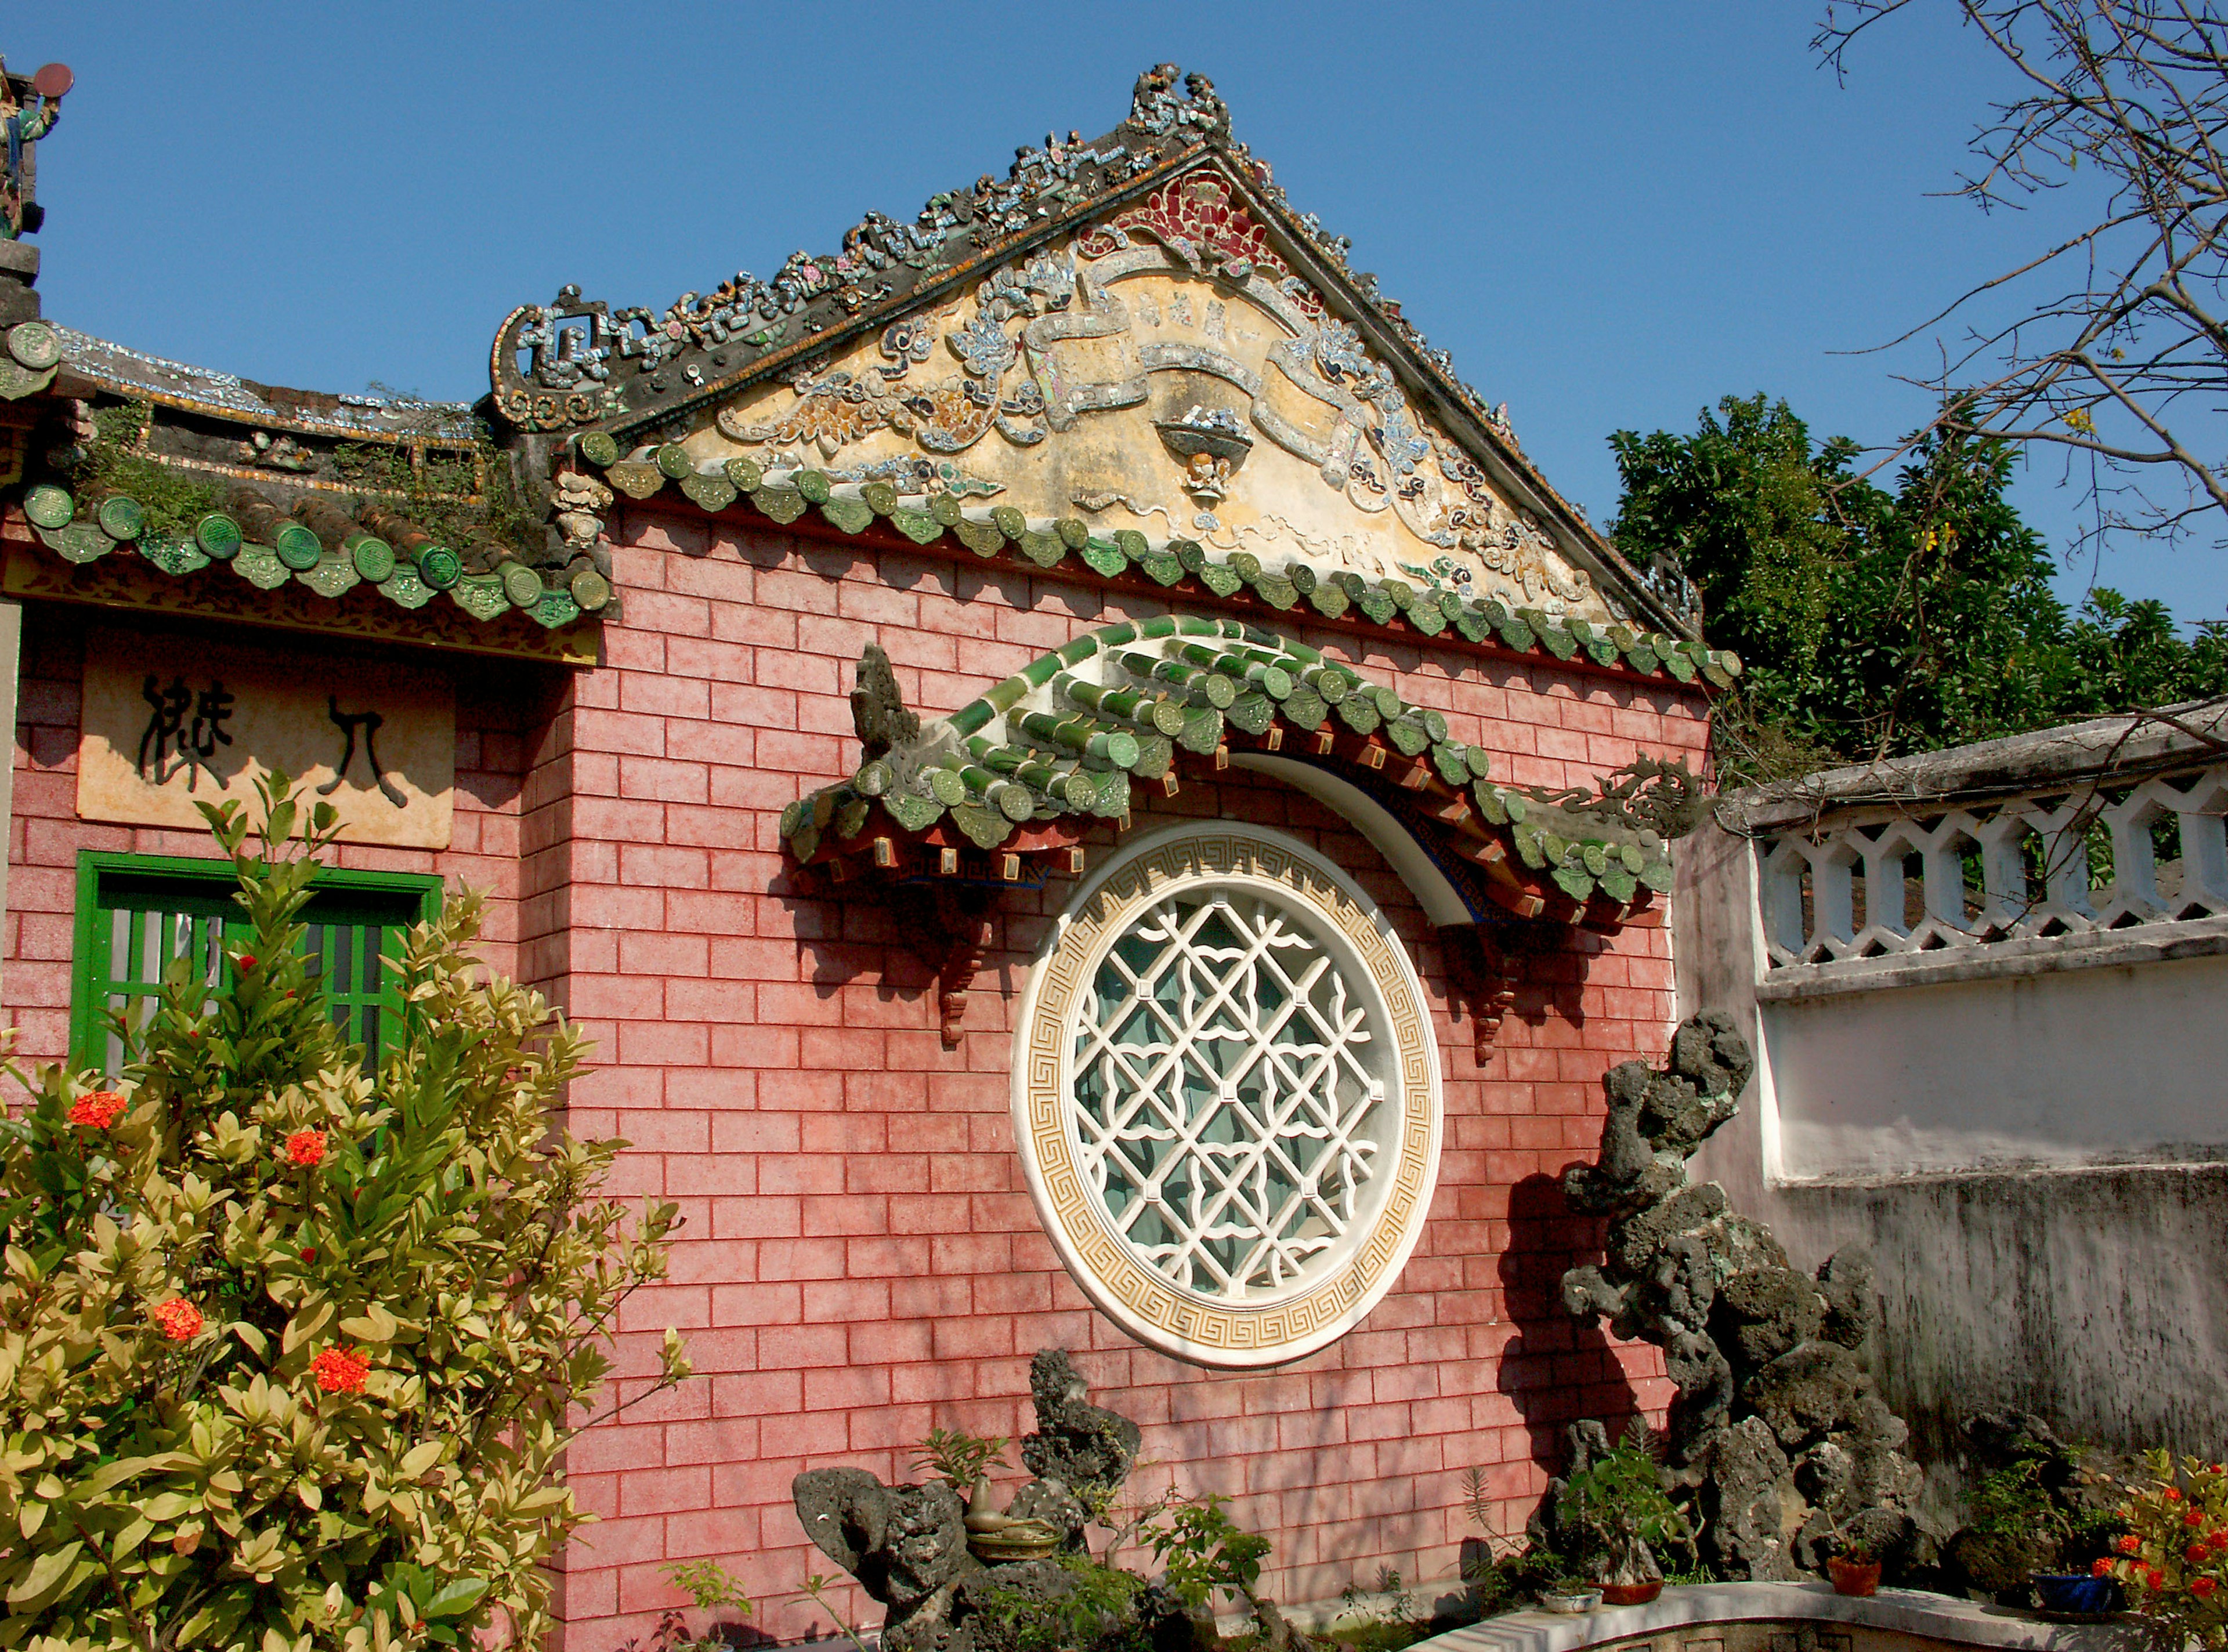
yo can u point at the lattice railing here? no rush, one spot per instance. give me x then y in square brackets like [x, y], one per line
[1867, 882]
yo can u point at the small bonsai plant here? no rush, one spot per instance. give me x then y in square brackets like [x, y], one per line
[1850, 1563]
[1617, 1504]
[961, 1458]
[2035, 1514]
[2173, 1558]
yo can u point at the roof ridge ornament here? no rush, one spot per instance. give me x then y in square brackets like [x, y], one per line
[1156, 108]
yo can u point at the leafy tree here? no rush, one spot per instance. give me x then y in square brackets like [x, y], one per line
[288, 1353]
[1873, 623]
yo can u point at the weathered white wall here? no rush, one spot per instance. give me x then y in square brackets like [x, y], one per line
[2070, 1067]
[2093, 1293]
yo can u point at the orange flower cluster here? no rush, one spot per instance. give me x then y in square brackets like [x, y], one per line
[338, 1371]
[305, 1147]
[179, 1319]
[2173, 1558]
[98, 1110]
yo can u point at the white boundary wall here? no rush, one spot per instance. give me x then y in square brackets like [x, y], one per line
[2026, 1118]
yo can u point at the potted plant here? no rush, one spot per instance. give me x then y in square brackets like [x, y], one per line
[1618, 1500]
[1854, 1569]
[2038, 1522]
[1570, 1594]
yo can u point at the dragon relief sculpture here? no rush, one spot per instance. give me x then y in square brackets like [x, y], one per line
[1025, 354]
[1005, 368]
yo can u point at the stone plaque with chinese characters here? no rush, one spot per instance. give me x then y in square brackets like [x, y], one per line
[172, 721]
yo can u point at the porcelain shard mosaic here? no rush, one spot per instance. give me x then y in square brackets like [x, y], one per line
[1229, 1096]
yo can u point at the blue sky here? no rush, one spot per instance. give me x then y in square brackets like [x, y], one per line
[1612, 214]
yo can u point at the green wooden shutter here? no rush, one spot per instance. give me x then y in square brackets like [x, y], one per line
[138, 914]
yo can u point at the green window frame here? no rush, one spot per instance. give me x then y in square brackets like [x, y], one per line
[137, 913]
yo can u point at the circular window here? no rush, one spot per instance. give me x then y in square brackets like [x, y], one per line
[1227, 1096]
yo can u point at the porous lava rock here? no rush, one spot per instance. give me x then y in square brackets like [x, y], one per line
[1086, 1449]
[1779, 1443]
[907, 1545]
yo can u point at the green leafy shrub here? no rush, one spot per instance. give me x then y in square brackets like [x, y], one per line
[288, 1353]
[2172, 1556]
[1203, 1550]
[173, 500]
[1094, 1614]
[1619, 1484]
[713, 1587]
[961, 1458]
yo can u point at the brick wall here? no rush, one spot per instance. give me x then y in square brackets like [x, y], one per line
[861, 1260]
[496, 705]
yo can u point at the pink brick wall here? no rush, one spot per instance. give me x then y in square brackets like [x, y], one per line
[862, 1260]
[496, 704]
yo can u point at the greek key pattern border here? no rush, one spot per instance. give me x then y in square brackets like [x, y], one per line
[1206, 856]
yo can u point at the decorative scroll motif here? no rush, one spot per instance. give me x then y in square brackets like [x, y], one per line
[1844, 892]
[1155, 107]
[1086, 328]
[561, 356]
[543, 381]
[1324, 1289]
[1227, 1096]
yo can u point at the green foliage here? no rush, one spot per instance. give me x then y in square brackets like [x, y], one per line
[1620, 1484]
[1382, 1635]
[1507, 1580]
[713, 1588]
[173, 500]
[1203, 1550]
[816, 1590]
[1387, 1614]
[2032, 1498]
[961, 1458]
[455, 495]
[1511, 1570]
[710, 1584]
[290, 1353]
[1094, 1613]
[1876, 623]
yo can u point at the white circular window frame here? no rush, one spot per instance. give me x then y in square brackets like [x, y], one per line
[1202, 1329]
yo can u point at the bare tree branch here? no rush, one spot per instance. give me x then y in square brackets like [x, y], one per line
[2110, 343]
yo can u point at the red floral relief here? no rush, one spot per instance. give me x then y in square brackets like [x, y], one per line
[1197, 212]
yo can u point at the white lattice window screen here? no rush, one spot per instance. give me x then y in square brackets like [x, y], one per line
[1230, 1095]
[1846, 891]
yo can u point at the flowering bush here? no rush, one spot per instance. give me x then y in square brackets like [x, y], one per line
[2174, 1560]
[289, 1352]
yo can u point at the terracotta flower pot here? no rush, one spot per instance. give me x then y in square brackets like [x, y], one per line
[1858, 1577]
[1631, 1594]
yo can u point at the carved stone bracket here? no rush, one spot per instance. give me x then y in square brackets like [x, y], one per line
[1485, 962]
[948, 928]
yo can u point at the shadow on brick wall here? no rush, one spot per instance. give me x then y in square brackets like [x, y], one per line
[1555, 1370]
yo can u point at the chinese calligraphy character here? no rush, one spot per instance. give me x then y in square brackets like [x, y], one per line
[166, 729]
[212, 711]
[348, 723]
[170, 742]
